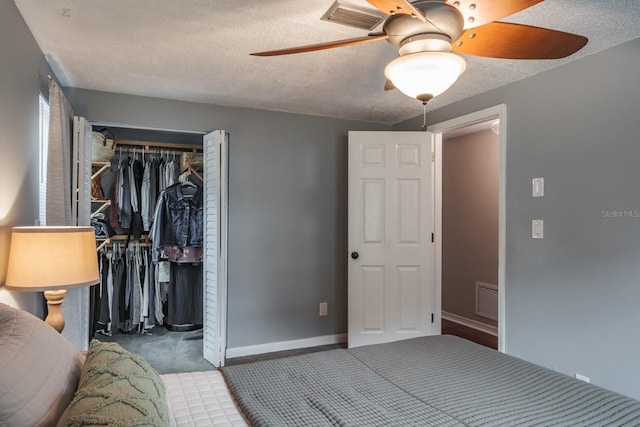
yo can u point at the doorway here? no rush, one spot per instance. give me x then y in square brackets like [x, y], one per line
[470, 220]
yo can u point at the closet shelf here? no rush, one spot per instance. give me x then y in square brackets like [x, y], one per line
[102, 168]
[103, 207]
[102, 243]
[122, 238]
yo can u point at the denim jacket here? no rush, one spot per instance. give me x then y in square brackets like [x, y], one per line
[177, 219]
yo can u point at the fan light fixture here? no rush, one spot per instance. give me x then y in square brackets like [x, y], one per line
[423, 75]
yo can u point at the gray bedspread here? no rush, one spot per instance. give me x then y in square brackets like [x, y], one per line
[430, 381]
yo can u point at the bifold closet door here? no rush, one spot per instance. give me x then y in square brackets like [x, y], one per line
[76, 303]
[214, 272]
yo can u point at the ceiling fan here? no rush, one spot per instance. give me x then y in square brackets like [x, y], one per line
[429, 35]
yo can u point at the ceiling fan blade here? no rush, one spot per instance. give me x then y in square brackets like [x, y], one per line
[398, 7]
[516, 41]
[322, 46]
[388, 85]
[481, 12]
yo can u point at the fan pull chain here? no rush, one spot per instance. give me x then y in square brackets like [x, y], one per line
[424, 98]
[424, 116]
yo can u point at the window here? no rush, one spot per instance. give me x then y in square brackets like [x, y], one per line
[43, 143]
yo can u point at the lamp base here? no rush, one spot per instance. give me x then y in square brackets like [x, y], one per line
[54, 301]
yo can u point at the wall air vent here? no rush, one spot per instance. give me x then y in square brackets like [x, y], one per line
[487, 300]
[353, 16]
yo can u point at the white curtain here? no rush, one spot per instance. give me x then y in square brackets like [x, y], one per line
[75, 308]
[59, 158]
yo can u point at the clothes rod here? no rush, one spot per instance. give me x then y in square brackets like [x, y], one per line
[154, 146]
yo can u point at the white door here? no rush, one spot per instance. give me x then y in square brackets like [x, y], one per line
[391, 252]
[215, 238]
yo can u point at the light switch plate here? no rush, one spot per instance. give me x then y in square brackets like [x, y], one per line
[537, 228]
[537, 189]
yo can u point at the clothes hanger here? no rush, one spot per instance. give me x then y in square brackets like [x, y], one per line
[187, 183]
[196, 174]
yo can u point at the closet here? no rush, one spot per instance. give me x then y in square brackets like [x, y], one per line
[185, 148]
[151, 277]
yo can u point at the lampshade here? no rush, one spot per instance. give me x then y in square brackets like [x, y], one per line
[421, 74]
[46, 258]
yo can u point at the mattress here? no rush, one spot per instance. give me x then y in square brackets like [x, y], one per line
[429, 381]
[200, 399]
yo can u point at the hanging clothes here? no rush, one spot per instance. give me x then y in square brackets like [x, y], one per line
[184, 311]
[154, 190]
[124, 195]
[105, 269]
[137, 291]
[114, 214]
[99, 313]
[136, 170]
[170, 171]
[145, 193]
[125, 300]
[138, 184]
[178, 218]
[177, 236]
[119, 274]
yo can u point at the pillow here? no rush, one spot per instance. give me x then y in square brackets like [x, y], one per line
[39, 370]
[117, 388]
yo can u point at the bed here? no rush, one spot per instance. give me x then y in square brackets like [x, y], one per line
[430, 381]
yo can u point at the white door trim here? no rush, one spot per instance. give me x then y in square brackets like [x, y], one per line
[496, 112]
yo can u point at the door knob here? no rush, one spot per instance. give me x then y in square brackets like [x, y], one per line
[354, 255]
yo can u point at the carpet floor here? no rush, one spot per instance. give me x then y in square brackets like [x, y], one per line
[167, 352]
[170, 352]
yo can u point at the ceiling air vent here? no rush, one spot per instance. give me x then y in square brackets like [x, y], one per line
[353, 16]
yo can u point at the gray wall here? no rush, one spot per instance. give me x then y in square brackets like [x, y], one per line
[23, 75]
[572, 298]
[287, 209]
[470, 186]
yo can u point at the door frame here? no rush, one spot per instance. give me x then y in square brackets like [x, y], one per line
[496, 112]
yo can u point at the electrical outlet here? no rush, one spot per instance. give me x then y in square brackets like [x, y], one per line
[324, 308]
[582, 378]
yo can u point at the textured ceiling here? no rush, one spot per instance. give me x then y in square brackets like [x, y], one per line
[198, 50]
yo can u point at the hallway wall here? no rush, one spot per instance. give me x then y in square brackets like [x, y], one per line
[470, 190]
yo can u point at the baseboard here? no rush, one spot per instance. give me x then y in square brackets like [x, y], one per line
[470, 323]
[250, 350]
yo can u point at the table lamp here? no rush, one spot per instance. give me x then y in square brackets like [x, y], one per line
[52, 259]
